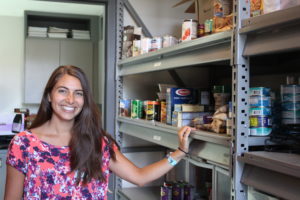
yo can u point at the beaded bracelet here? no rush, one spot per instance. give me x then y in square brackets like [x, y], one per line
[180, 149]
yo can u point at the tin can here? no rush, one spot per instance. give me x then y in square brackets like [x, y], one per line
[163, 112]
[291, 114]
[291, 121]
[169, 41]
[189, 29]
[260, 121]
[257, 101]
[201, 30]
[125, 107]
[157, 111]
[260, 111]
[208, 26]
[290, 105]
[166, 192]
[152, 110]
[145, 45]
[156, 43]
[136, 47]
[290, 89]
[176, 192]
[260, 131]
[187, 192]
[290, 97]
[136, 109]
[261, 91]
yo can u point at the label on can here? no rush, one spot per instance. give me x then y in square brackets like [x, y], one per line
[290, 97]
[290, 105]
[258, 111]
[156, 43]
[260, 131]
[290, 89]
[163, 112]
[262, 91]
[290, 114]
[260, 121]
[166, 192]
[257, 101]
[125, 107]
[136, 109]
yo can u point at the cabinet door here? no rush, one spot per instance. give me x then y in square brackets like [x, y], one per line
[41, 58]
[2, 172]
[78, 53]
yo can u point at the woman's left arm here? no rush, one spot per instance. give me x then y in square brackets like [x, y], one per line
[128, 171]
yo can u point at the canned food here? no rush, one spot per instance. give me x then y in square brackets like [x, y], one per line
[291, 121]
[291, 114]
[290, 89]
[260, 111]
[136, 47]
[169, 41]
[290, 105]
[145, 45]
[163, 112]
[262, 91]
[290, 97]
[260, 131]
[156, 43]
[189, 29]
[136, 109]
[260, 121]
[208, 26]
[257, 101]
[166, 192]
[125, 107]
[152, 110]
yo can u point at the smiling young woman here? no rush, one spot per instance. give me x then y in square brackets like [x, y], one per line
[66, 154]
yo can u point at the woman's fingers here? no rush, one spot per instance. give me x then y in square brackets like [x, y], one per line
[183, 135]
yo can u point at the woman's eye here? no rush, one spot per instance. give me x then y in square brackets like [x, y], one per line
[80, 94]
[62, 91]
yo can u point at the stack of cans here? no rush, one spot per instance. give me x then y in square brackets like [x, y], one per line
[178, 190]
[290, 100]
[260, 111]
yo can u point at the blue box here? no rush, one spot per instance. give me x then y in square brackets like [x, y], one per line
[179, 96]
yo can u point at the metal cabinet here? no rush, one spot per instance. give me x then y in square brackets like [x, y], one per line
[42, 56]
[2, 172]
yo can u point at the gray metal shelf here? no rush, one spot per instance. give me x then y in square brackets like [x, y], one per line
[273, 32]
[272, 172]
[209, 49]
[204, 145]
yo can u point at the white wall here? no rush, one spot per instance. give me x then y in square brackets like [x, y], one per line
[12, 45]
[159, 16]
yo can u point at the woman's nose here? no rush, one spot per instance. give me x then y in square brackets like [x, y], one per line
[70, 98]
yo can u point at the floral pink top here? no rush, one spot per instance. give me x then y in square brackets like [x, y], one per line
[47, 170]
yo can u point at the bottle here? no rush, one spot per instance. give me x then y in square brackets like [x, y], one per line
[17, 123]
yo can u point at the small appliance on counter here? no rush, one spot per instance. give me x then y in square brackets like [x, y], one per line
[11, 124]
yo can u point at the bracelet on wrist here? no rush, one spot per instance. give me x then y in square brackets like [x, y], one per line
[180, 149]
[171, 160]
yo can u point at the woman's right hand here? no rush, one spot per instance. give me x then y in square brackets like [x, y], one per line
[183, 135]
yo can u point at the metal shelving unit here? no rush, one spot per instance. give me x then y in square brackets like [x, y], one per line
[267, 34]
[270, 172]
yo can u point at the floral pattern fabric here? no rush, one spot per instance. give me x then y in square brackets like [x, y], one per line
[48, 173]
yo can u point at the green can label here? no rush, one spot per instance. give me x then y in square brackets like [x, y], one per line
[136, 109]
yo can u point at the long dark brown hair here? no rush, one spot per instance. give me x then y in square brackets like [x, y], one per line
[87, 132]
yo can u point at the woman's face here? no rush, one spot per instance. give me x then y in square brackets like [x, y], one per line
[66, 98]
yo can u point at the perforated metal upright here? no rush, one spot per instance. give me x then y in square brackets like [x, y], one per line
[240, 85]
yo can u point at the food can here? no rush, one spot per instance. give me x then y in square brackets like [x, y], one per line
[145, 45]
[163, 112]
[260, 91]
[187, 192]
[189, 29]
[156, 43]
[125, 107]
[176, 192]
[290, 89]
[290, 97]
[136, 109]
[260, 131]
[291, 121]
[257, 101]
[166, 192]
[260, 111]
[152, 110]
[290, 105]
[169, 41]
[208, 26]
[136, 47]
[290, 114]
[260, 121]
[201, 30]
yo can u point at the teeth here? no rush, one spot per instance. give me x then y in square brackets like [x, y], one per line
[68, 108]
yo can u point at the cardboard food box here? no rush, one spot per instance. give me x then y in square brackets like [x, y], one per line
[207, 9]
